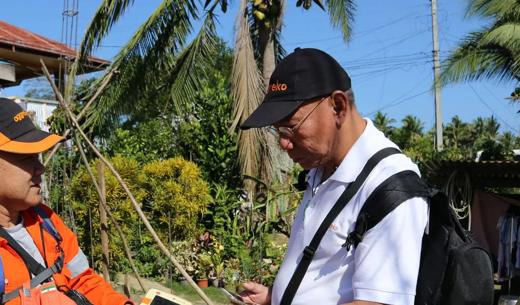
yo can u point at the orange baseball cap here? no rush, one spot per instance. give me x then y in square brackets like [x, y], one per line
[18, 133]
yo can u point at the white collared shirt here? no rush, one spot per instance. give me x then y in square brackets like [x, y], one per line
[384, 266]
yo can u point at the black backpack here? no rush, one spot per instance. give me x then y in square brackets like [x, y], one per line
[454, 269]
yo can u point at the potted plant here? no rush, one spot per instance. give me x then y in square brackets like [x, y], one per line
[203, 269]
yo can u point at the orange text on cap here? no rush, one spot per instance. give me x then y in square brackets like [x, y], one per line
[277, 87]
[20, 116]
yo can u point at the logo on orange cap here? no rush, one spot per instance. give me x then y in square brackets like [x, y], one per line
[20, 116]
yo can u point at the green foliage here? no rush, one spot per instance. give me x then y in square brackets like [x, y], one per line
[83, 198]
[493, 51]
[205, 138]
[150, 140]
[252, 233]
[176, 196]
[462, 140]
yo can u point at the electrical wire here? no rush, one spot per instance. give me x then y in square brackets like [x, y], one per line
[491, 109]
[370, 30]
[399, 102]
[460, 193]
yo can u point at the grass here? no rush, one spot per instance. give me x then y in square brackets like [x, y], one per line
[185, 291]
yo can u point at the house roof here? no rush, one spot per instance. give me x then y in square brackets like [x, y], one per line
[24, 49]
[481, 174]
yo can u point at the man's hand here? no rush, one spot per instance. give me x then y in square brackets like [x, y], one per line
[254, 293]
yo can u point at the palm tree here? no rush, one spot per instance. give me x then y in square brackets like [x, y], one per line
[384, 123]
[455, 132]
[413, 125]
[159, 65]
[412, 128]
[491, 127]
[492, 52]
[509, 142]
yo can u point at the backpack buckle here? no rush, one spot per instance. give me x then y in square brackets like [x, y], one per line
[308, 252]
[352, 240]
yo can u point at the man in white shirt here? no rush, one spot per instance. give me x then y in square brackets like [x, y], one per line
[310, 104]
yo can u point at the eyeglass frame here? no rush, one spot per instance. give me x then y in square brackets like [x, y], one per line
[289, 132]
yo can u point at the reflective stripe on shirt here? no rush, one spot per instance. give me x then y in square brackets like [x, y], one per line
[78, 264]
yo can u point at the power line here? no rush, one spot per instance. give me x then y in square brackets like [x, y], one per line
[390, 62]
[491, 109]
[399, 102]
[403, 97]
[413, 35]
[496, 98]
[376, 28]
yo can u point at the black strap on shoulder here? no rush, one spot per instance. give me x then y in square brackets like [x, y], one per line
[384, 199]
[34, 267]
[41, 274]
[343, 200]
[35, 281]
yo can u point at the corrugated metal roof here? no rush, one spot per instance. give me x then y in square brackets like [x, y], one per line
[18, 37]
[24, 50]
[503, 173]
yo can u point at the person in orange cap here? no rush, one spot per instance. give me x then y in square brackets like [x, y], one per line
[40, 259]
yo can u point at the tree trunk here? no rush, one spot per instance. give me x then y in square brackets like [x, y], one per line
[282, 163]
[268, 58]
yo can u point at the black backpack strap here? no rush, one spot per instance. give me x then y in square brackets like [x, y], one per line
[384, 199]
[34, 267]
[35, 281]
[41, 273]
[346, 196]
[47, 223]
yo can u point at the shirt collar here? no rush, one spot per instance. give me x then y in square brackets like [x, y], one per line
[371, 141]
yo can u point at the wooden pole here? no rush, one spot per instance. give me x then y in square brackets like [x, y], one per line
[136, 205]
[103, 221]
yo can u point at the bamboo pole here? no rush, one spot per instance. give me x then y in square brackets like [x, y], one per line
[103, 221]
[110, 215]
[163, 248]
[80, 116]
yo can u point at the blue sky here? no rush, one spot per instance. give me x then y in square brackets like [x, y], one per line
[388, 57]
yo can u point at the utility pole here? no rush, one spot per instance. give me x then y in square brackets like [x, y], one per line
[436, 78]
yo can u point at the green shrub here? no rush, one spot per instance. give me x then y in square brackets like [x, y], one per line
[174, 197]
[177, 196]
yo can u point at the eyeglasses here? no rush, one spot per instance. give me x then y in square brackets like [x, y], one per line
[288, 132]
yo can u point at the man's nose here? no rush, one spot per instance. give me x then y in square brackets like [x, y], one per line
[285, 144]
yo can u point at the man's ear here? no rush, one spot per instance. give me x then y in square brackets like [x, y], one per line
[340, 105]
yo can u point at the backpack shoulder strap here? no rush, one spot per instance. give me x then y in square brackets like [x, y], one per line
[2, 277]
[47, 223]
[343, 200]
[383, 200]
[41, 273]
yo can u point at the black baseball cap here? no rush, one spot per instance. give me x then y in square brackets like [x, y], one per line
[302, 75]
[18, 133]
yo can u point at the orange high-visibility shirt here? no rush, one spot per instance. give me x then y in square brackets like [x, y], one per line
[75, 274]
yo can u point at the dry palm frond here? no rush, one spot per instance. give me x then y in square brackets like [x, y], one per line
[247, 91]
